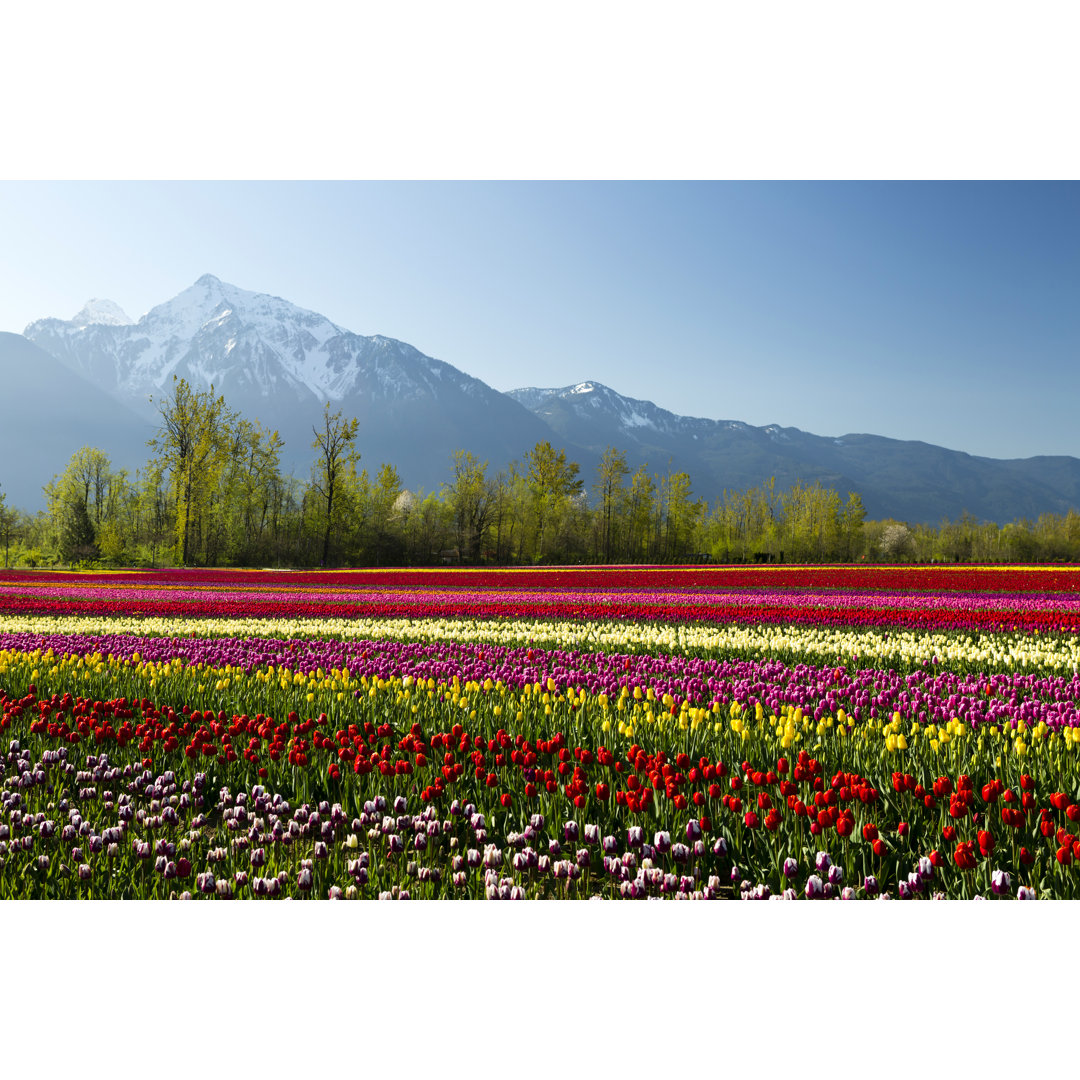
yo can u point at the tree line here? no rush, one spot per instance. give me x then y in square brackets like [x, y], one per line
[213, 494]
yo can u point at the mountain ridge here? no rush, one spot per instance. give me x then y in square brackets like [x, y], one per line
[280, 364]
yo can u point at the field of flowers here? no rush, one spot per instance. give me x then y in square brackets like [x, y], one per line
[688, 732]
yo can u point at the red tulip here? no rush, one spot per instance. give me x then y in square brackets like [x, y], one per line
[964, 855]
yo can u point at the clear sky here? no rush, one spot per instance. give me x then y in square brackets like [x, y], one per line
[941, 311]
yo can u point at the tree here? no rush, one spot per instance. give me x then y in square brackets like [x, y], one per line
[336, 454]
[640, 506]
[77, 541]
[680, 515]
[472, 500]
[895, 541]
[193, 445]
[610, 474]
[7, 523]
[851, 525]
[551, 480]
[384, 497]
[253, 487]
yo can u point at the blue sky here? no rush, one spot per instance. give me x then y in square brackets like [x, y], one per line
[941, 311]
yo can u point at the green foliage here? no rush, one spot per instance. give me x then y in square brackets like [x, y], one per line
[195, 445]
[213, 494]
[333, 475]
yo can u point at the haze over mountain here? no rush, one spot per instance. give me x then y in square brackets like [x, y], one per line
[47, 415]
[913, 481]
[280, 364]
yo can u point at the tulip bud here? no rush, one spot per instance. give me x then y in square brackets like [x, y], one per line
[870, 885]
[304, 880]
[662, 842]
[1000, 882]
[791, 867]
[635, 836]
[1024, 893]
[847, 893]
[720, 848]
[570, 831]
[822, 861]
[836, 875]
[815, 888]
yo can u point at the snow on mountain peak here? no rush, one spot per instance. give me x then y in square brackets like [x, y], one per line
[101, 313]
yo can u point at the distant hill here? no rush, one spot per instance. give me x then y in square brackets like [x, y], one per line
[48, 412]
[912, 481]
[89, 380]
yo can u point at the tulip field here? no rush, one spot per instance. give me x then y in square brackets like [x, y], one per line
[764, 732]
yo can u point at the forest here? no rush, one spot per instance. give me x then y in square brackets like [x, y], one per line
[212, 493]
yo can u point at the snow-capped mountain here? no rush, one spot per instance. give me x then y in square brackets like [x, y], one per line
[102, 313]
[246, 344]
[600, 407]
[280, 363]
